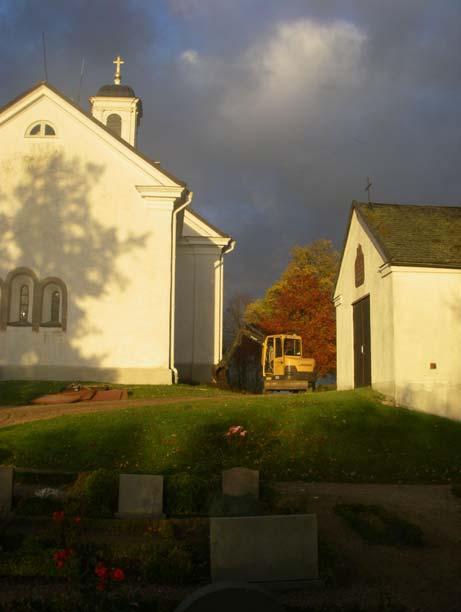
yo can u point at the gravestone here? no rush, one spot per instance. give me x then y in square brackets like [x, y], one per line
[240, 481]
[140, 495]
[6, 489]
[229, 597]
[265, 549]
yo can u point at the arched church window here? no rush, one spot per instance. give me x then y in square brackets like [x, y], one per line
[20, 286]
[114, 124]
[55, 306]
[41, 129]
[54, 303]
[359, 267]
[23, 304]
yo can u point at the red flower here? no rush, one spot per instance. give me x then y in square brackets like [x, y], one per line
[101, 585]
[58, 516]
[77, 520]
[118, 574]
[101, 571]
[61, 556]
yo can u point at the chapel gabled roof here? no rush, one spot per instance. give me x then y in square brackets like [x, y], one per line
[414, 235]
[56, 91]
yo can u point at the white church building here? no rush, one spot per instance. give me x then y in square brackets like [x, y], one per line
[398, 305]
[106, 271]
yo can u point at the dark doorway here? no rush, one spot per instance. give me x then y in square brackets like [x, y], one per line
[362, 348]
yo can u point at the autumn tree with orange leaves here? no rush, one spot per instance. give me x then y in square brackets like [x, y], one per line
[301, 303]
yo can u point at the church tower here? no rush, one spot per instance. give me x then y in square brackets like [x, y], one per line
[117, 106]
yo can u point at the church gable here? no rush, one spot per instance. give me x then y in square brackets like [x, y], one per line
[44, 105]
[89, 264]
[361, 256]
[86, 226]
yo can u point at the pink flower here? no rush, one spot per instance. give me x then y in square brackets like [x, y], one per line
[243, 434]
[235, 430]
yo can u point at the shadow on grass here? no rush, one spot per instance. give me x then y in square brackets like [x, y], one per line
[67, 445]
[20, 392]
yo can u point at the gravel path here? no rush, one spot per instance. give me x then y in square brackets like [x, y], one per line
[424, 579]
[14, 415]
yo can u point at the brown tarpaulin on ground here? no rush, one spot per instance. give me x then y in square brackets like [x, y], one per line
[82, 395]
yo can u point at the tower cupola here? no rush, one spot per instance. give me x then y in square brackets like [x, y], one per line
[117, 107]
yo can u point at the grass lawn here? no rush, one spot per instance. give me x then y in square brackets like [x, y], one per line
[337, 436]
[18, 392]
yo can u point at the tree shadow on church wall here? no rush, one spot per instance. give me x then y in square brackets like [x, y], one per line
[57, 234]
[5, 234]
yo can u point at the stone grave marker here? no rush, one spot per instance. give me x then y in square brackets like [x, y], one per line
[229, 597]
[240, 481]
[6, 489]
[140, 495]
[270, 550]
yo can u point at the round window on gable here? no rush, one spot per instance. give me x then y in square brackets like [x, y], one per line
[41, 129]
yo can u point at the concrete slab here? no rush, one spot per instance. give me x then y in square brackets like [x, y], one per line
[264, 549]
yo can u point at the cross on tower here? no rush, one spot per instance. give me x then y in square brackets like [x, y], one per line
[368, 188]
[117, 76]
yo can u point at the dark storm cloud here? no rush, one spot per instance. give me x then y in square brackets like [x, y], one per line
[273, 112]
[74, 29]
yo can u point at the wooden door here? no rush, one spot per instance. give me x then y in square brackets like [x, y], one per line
[362, 344]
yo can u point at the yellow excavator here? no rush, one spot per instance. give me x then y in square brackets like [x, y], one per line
[283, 366]
[261, 364]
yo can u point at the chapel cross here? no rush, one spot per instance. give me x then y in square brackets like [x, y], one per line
[368, 188]
[117, 76]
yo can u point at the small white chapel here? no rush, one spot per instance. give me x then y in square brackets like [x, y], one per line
[107, 273]
[398, 305]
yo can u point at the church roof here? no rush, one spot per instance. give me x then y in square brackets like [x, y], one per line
[116, 91]
[414, 235]
[119, 91]
[153, 163]
[210, 225]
